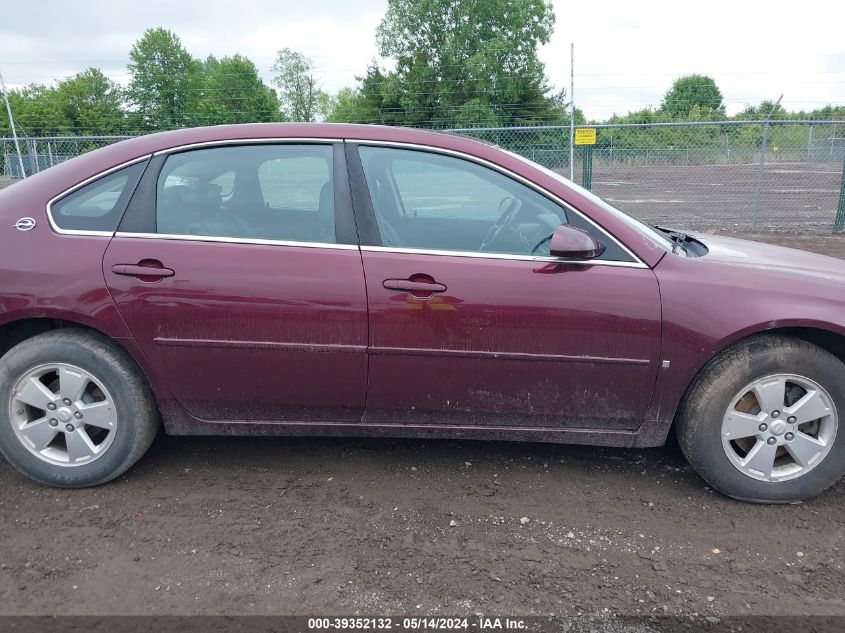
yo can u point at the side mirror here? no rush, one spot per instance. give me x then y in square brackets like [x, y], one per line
[571, 243]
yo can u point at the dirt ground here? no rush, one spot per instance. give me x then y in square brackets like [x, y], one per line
[350, 526]
[306, 526]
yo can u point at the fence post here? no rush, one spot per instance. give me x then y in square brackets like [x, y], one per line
[832, 138]
[587, 180]
[839, 225]
[758, 194]
[569, 158]
[33, 155]
[810, 143]
[758, 190]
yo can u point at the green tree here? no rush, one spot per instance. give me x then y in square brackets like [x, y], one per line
[165, 84]
[690, 91]
[765, 109]
[232, 92]
[300, 95]
[91, 103]
[461, 59]
[36, 111]
[827, 112]
[348, 106]
[375, 100]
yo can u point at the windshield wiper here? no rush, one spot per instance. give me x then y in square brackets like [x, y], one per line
[679, 239]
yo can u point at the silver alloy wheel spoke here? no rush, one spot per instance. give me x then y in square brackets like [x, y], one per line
[79, 445]
[39, 433]
[33, 392]
[738, 425]
[770, 393]
[72, 383]
[63, 414]
[761, 458]
[99, 414]
[805, 449]
[769, 441]
[810, 407]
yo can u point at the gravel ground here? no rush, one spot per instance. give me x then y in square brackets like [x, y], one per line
[304, 526]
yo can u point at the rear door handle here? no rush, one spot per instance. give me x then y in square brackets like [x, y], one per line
[406, 285]
[134, 270]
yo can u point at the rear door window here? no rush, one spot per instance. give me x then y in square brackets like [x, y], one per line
[278, 192]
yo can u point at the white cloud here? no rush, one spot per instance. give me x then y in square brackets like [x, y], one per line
[627, 53]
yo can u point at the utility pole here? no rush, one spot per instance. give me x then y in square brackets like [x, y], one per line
[572, 112]
[12, 124]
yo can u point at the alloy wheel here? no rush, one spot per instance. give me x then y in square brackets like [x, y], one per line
[779, 427]
[63, 414]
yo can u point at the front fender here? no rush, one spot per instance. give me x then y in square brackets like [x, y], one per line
[710, 306]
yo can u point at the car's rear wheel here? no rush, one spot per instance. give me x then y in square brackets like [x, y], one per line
[75, 410]
[763, 422]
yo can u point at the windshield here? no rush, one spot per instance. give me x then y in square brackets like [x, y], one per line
[652, 234]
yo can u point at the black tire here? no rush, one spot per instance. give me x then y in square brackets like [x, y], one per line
[699, 420]
[137, 414]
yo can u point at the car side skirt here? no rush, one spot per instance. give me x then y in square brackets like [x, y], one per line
[647, 436]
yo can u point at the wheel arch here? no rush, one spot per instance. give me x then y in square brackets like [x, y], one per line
[673, 389]
[17, 331]
[719, 457]
[828, 339]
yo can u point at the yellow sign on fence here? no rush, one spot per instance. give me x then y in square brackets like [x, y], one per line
[585, 136]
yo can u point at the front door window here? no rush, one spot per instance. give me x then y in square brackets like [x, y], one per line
[429, 201]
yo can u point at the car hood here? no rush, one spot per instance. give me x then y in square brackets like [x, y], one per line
[737, 252]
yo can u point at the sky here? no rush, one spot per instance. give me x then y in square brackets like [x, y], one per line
[627, 54]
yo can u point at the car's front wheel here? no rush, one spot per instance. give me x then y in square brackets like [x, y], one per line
[75, 410]
[763, 421]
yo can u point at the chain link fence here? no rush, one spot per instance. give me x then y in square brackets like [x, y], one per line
[735, 176]
[42, 152]
[741, 176]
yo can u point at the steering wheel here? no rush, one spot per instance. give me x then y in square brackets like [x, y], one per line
[511, 207]
[545, 240]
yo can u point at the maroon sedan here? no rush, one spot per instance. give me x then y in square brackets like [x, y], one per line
[309, 279]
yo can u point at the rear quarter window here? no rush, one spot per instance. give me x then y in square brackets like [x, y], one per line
[99, 205]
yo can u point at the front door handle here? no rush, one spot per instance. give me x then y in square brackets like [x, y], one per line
[414, 285]
[406, 285]
[137, 270]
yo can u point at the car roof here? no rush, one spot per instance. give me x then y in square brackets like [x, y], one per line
[71, 172]
[161, 141]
